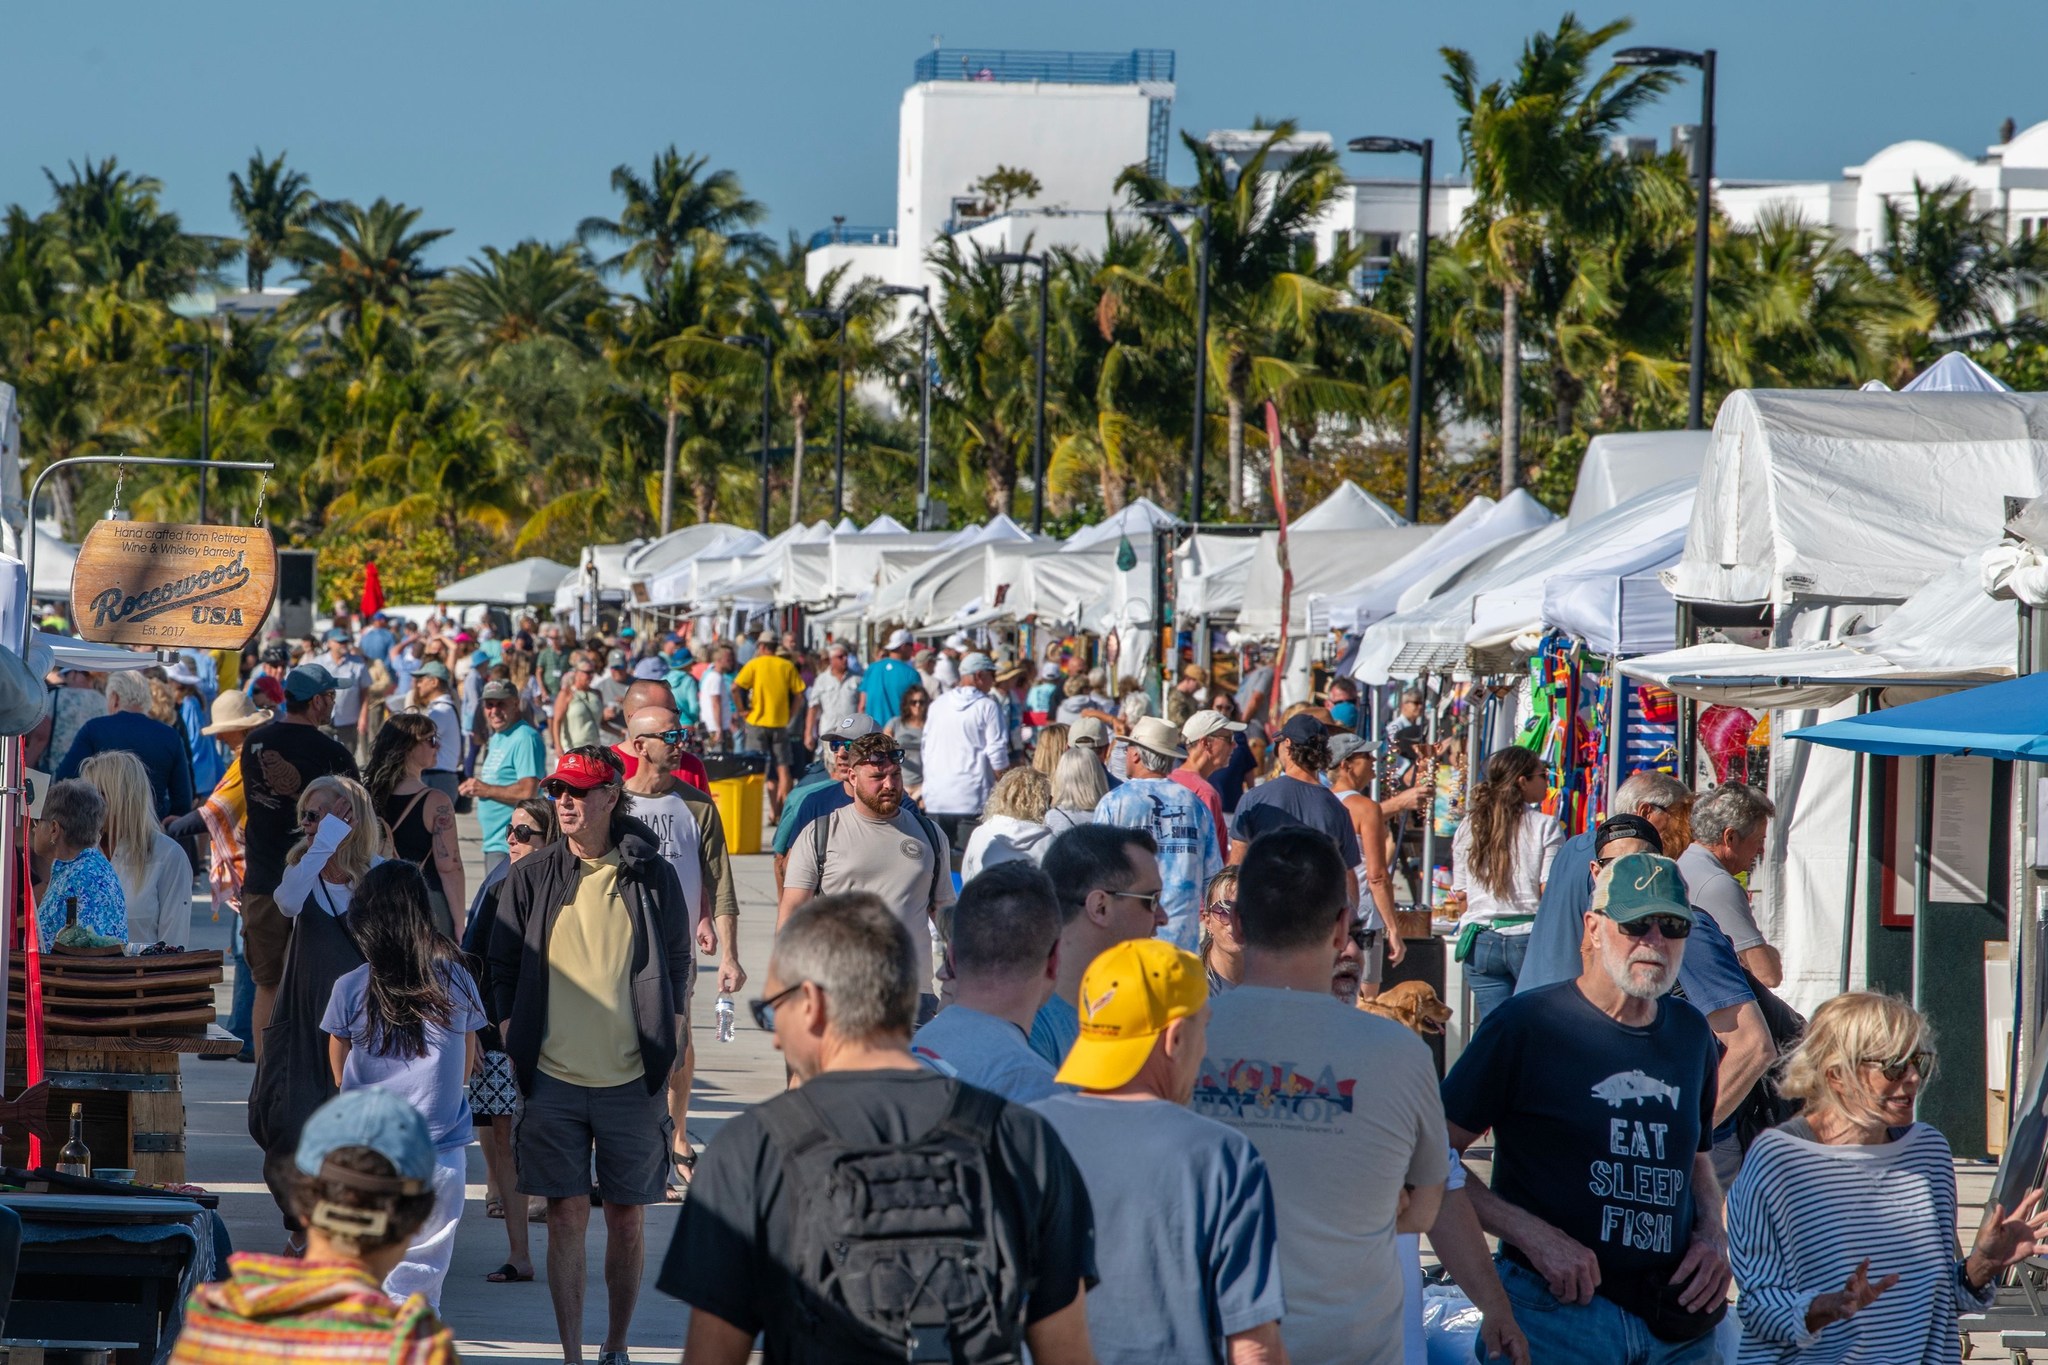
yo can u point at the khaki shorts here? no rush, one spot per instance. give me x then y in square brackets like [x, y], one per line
[266, 934]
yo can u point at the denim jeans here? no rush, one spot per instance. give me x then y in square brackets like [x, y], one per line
[240, 1018]
[1568, 1334]
[1491, 970]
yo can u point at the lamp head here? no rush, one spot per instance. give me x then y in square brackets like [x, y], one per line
[890, 291]
[1385, 144]
[1016, 258]
[1658, 56]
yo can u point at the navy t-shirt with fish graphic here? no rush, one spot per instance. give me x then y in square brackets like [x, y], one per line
[1595, 1123]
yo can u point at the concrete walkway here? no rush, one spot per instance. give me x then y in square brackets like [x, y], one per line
[506, 1321]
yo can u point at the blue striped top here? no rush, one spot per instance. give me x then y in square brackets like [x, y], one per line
[1803, 1214]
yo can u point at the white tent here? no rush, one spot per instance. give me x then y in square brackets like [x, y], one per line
[1068, 588]
[1138, 520]
[1322, 561]
[949, 580]
[676, 583]
[857, 562]
[1350, 508]
[884, 525]
[1621, 608]
[1621, 464]
[1646, 533]
[55, 558]
[1956, 373]
[1859, 497]
[524, 582]
[652, 558]
[1480, 523]
[1209, 578]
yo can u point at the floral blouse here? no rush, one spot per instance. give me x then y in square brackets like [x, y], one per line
[101, 906]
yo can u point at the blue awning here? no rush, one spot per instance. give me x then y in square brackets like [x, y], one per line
[1999, 720]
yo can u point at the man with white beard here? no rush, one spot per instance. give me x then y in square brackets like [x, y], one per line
[1600, 1093]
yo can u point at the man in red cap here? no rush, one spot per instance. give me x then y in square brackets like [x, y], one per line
[593, 1043]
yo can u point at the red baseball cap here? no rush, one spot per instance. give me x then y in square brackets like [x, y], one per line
[582, 772]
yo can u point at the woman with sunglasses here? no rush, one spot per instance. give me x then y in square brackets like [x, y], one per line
[1222, 953]
[494, 1090]
[1840, 1225]
[421, 818]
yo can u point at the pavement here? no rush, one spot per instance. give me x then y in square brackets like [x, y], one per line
[506, 1322]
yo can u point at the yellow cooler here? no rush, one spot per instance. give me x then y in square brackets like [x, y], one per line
[739, 806]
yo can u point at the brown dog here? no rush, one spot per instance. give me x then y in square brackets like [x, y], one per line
[1413, 1004]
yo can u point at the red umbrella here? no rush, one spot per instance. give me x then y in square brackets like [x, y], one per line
[373, 590]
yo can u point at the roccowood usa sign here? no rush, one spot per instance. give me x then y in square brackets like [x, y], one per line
[173, 586]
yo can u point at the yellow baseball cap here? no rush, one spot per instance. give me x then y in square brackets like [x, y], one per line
[1128, 996]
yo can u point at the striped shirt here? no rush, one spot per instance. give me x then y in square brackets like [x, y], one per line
[310, 1313]
[1803, 1215]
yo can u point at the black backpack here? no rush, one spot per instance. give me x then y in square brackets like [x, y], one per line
[897, 1251]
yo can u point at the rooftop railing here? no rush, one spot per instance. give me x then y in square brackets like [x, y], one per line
[843, 235]
[1057, 68]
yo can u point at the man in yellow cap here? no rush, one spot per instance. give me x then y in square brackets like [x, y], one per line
[1186, 1239]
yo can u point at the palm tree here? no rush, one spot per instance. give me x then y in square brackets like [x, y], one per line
[269, 205]
[116, 234]
[1955, 259]
[1536, 149]
[444, 466]
[506, 297]
[352, 256]
[666, 213]
[1262, 286]
[982, 343]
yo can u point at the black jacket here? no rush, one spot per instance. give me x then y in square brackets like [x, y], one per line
[534, 893]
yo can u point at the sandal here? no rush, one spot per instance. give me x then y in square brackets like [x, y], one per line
[494, 1208]
[685, 1170]
[508, 1274]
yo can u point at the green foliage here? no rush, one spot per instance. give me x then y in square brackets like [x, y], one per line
[1003, 187]
[409, 567]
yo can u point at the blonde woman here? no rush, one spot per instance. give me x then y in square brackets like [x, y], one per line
[1841, 1225]
[156, 876]
[1078, 786]
[1222, 952]
[340, 839]
[1048, 748]
[1012, 824]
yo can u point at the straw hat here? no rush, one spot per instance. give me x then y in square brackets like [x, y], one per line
[232, 710]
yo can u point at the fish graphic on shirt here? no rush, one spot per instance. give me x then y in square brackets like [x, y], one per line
[1639, 1086]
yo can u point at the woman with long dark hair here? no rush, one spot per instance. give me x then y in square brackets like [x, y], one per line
[1500, 858]
[406, 1021]
[421, 818]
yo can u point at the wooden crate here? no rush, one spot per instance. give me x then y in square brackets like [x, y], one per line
[171, 993]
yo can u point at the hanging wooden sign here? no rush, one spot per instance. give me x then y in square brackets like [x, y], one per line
[173, 586]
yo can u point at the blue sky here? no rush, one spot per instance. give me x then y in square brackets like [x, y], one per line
[503, 120]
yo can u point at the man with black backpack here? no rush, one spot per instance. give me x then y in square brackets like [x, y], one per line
[880, 1211]
[880, 844]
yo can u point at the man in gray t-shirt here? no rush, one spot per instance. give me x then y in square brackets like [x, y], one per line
[879, 845]
[1005, 928]
[1730, 826]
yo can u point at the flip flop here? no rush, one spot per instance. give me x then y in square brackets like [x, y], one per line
[683, 1172]
[508, 1274]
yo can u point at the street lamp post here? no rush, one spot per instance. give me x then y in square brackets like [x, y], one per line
[1419, 342]
[837, 317]
[924, 406]
[1696, 394]
[205, 353]
[765, 344]
[1044, 264]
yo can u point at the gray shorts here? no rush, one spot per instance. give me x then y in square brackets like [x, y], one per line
[1375, 965]
[629, 1130]
[772, 740]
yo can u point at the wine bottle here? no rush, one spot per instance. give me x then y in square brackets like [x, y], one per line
[70, 912]
[75, 1158]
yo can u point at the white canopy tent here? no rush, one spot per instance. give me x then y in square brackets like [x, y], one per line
[1646, 533]
[1858, 497]
[857, 562]
[529, 582]
[1139, 520]
[1480, 523]
[652, 558]
[1349, 508]
[676, 583]
[1323, 562]
[1619, 465]
[1956, 373]
[1210, 576]
[884, 525]
[1619, 609]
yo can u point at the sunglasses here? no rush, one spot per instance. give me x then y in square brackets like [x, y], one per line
[1362, 938]
[673, 737]
[1921, 1062]
[764, 1010]
[1671, 926]
[884, 762]
[1222, 909]
[523, 834]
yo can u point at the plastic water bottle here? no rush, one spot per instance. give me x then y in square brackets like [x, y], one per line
[724, 1008]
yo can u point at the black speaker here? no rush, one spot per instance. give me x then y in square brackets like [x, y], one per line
[297, 589]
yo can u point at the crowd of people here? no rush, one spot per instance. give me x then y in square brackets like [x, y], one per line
[1075, 996]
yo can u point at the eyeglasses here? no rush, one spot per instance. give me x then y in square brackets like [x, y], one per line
[523, 834]
[562, 791]
[1222, 909]
[1921, 1062]
[1671, 926]
[1149, 898]
[764, 1010]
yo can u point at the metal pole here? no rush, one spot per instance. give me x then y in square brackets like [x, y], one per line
[767, 404]
[1923, 825]
[1201, 372]
[1855, 873]
[924, 426]
[1426, 808]
[205, 423]
[1038, 444]
[1418, 343]
[1696, 398]
[839, 434]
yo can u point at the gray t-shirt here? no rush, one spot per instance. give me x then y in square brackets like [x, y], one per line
[1186, 1240]
[892, 858]
[986, 1052]
[1712, 889]
[1343, 1107]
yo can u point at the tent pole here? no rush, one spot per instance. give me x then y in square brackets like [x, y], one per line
[1427, 811]
[1373, 698]
[1688, 710]
[2026, 924]
[1923, 828]
[1854, 876]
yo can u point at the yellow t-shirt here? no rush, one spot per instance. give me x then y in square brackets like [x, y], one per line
[772, 684]
[591, 1039]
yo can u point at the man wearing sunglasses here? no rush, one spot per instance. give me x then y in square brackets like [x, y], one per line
[1109, 886]
[1601, 1094]
[825, 786]
[881, 844]
[508, 772]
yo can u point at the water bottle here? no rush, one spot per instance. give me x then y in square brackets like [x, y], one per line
[724, 1008]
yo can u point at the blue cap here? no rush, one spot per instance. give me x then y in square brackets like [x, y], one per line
[306, 682]
[650, 670]
[337, 634]
[377, 1119]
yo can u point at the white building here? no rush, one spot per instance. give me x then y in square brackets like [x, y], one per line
[1074, 120]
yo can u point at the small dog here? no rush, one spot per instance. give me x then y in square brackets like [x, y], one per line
[1413, 1004]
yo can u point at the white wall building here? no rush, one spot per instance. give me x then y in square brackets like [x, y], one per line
[1074, 120]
